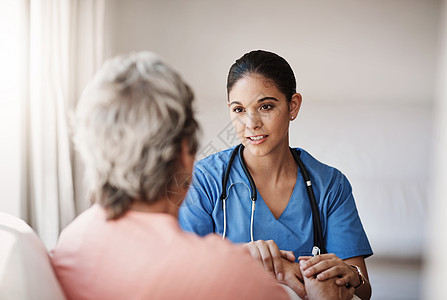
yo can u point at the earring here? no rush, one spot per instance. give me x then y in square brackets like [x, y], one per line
[292, 117]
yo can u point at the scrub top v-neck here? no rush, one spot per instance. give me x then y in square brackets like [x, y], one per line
[202, 210]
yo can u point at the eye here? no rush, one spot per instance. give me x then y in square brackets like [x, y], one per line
[238, 109]
[266, 107]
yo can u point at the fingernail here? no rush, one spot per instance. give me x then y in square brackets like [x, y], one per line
[279, 276]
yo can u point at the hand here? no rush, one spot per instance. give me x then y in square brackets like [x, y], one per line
[293, 278]
[270, 256]
[326, 290]
[328, 266]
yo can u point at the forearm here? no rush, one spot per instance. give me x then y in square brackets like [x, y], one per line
[363, 291]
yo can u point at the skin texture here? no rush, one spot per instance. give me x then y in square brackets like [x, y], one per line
[294, 278]
[270, 256]
[329, 266]
[261, 116]
[258, 108]
[326, 290]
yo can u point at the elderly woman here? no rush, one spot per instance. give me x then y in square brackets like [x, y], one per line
[136, 132]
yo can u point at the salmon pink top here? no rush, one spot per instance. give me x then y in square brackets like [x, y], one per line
[147, 256]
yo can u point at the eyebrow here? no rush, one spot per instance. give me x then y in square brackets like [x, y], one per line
[259, 100]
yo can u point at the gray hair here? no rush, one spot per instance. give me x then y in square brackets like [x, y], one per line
[130, 122]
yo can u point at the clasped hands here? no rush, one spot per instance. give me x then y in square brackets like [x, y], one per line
[321, 277]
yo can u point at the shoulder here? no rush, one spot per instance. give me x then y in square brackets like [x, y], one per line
[319, 169]
[213, 165]
[220, 158]
[92, 216]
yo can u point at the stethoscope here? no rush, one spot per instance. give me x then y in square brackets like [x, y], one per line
[318, 232]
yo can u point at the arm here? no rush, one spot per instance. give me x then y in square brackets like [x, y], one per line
[270, 257]
[329, 266]
[364, 290]
[344, 236]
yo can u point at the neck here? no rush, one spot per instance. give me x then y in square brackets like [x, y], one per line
[276, 164]
[160, 206]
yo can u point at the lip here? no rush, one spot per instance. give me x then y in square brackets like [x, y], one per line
[262, 138]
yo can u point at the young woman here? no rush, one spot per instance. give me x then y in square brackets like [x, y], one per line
[261, 192]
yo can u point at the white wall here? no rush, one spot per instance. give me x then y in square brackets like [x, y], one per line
[354, 52]
[368, 51]
[436, 261]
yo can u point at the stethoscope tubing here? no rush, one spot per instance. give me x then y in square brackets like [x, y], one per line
[318, 232]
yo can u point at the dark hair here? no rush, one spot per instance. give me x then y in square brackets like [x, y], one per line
[267, 64]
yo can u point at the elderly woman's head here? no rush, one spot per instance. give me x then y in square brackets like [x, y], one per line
[132, 123]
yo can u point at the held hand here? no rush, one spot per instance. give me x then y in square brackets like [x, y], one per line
[328, 266]
[270, 256]
[293, 278]
[326, 290]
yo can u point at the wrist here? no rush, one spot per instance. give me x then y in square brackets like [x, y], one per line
[361, 278]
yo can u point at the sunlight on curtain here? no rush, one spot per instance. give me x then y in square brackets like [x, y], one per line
[62, 54]
[10, 62]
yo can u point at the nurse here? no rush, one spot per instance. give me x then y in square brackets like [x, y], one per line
[262, 101]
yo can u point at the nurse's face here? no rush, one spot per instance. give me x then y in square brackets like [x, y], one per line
[261, 114]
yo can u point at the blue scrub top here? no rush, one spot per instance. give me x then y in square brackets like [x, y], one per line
[202, 210]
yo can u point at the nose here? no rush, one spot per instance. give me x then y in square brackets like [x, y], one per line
[253, 121]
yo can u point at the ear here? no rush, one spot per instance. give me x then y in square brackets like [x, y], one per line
[295, 105]
[186, 157]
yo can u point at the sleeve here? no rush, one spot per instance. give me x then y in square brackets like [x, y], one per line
[195, 213]
[345, 236]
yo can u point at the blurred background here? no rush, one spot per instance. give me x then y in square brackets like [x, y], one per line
[371, 73]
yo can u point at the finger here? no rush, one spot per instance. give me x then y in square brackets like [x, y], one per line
[276, 259]
[335, 271]
[348, 278]
[299, 274]
[343, 280]
[308, 261]
[296, 286]
[317, 268]
[351, 291]
[304, 257]
[301, 291]
[348, 292]
[287, 255]
[321, 262]
[266, 257]
[254, 251]
[309, 267]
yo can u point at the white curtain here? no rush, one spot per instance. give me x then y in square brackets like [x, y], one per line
[66, 43]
